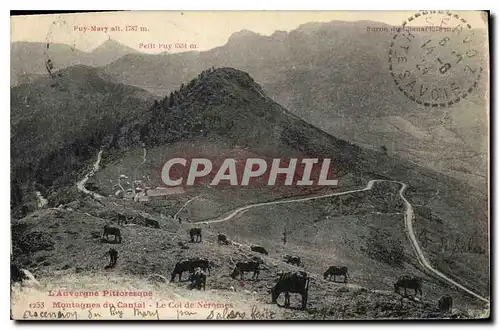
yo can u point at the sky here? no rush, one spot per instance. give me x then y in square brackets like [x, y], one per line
[206, 30]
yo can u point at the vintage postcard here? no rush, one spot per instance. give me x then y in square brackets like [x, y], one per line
[258, 165]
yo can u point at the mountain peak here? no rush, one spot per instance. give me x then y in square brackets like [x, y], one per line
[336, 24]
[112, 45]
[279, 34]
[243, 34]
[229, 73]
[222, 103]
[216, 86]
[226, 80]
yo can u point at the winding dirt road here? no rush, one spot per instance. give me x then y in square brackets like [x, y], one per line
[80, 185]
[41, 200]
[409, 216]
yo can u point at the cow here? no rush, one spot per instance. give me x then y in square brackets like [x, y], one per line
[335, 271]
[408, 282]
[112, 231]
[189, 265]
[294, 260]
[291, 282]
[198, 279]
[222, 239]
[113, 258]
[259, 249]
[152, 223]
[195, 233]
[445, 304]
[121, 219]
[16, 273]
[247, 266]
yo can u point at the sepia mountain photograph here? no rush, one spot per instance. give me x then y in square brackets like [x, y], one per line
[250, 165]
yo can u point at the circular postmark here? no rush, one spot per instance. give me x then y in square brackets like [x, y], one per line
[435, 58]
[61, 52]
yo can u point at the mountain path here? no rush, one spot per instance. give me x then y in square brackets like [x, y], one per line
[409, 216]
[80, 185]
[42, 201]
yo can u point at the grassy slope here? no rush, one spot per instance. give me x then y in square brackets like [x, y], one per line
[147, 251]
[443, 195]
[305, 71]
[58, 123]
[231, 93]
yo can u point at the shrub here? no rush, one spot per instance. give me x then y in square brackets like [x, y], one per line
[381, 247]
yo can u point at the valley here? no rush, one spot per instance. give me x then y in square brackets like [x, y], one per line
[402, 192]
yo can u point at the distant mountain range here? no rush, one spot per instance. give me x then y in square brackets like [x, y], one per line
[28, 58]
[333, 75]
[56, 124]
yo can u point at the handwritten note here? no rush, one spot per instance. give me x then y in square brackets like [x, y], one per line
[232, 314]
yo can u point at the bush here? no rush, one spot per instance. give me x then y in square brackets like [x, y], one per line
[35, 241]
[381, 247]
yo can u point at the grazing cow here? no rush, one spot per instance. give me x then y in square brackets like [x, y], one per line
[294, 260]
[113, 257]
[189, 265]
[195, 233]
[16, 273]
[153, 223]
[198, 279]
[445, 304]
[408, 282]
[336, 271]
[204, 264]
[121, 219]
[112, 231]
[291, 282]
[259, 249]
[222, 239]
[247, 266]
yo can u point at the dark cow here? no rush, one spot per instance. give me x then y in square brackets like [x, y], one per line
[335, 271]
[222, 239]
[16, 274]
[247, 266]
[113, 258]
[195, 233]
[408, 282]
[198, 279]
[112, 231]
[445, 304]
[189, 265]
[291, 282]
[294, 260]
[152, 223]
[121, 219]
[259, 249]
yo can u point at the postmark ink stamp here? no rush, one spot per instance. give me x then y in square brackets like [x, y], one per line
[435, 59]
[51, 66]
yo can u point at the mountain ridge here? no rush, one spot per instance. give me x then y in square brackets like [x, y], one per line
[335, 76]
[65, 116]
[112, 45]
[28, 59]
[225, 110]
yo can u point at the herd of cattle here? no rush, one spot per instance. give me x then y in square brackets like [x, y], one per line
[287, 282]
